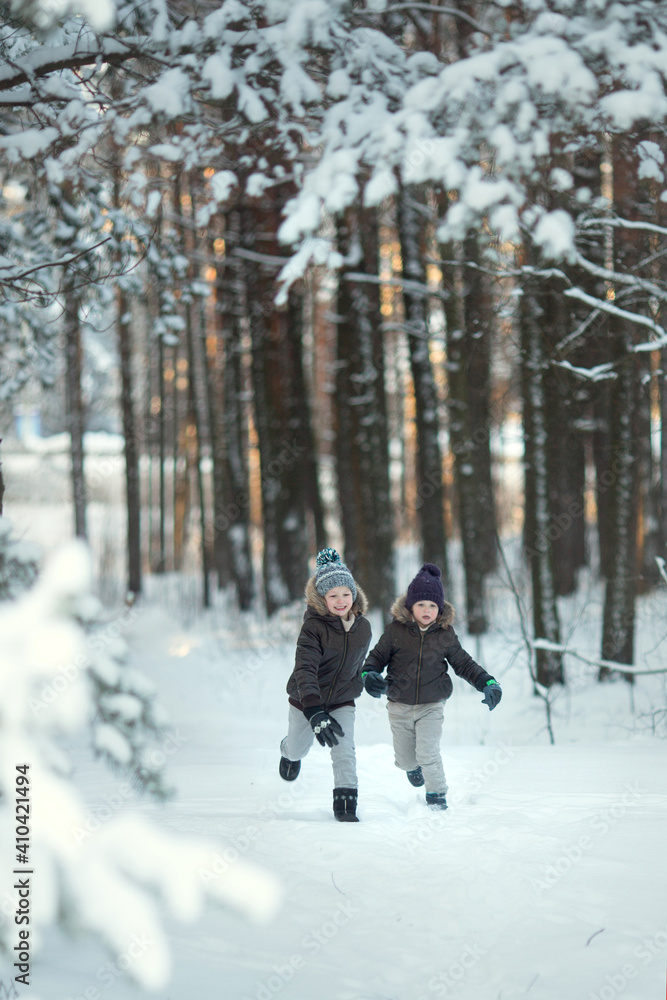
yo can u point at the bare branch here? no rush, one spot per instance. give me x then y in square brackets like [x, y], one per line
[530, 646]
[51, 263]
[414, 287]
[434, 9]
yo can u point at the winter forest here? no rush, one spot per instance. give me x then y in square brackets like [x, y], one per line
[278, 275]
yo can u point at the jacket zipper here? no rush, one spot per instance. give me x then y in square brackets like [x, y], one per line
[419, 665]
[340, 667]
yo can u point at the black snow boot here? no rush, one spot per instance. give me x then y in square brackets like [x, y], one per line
[345, 805]
[289, 769]
[436, 800]
[416, 777]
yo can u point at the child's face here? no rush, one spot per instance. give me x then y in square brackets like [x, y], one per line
[338, 601]
[424, 612]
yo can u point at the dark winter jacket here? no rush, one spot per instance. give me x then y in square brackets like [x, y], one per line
[417, 661]
[327, 669]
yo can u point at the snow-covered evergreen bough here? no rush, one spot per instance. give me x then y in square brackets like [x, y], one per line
[59, 675]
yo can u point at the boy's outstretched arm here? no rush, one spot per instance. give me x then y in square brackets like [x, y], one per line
[467, 668]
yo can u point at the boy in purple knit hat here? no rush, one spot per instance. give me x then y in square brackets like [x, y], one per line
[417, 648]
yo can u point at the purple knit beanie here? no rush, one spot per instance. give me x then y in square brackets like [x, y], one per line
[426, 586]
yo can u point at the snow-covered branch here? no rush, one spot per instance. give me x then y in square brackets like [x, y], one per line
[617, 278]
[616, 223]
[599, 373]
[86, 51]
[619, 668]
[116, 881]
[608, 307]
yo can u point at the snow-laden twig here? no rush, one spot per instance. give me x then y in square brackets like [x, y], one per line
[21, 275]
[617, 278]
[609, 307]
[53, 59]
[599, 373]
[617, 223]
[613, 665]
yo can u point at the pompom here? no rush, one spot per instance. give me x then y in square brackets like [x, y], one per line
[327, 556]
[432, 569]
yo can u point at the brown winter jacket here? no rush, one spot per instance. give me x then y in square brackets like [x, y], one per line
[327, 669]
[417, 661]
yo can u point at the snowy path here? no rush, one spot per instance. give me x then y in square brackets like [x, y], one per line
[546, 878]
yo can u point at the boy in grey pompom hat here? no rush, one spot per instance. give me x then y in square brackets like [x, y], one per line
[326, 680]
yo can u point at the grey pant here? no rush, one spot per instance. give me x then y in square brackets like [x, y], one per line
[416, 731]
[300, 738]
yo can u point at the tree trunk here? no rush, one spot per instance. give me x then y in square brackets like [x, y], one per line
[130, 429]
[565, 448]
[630, 246]
[590, 399]
[649, 486]
[362, 451]
[619, 607]
[602, 455]
[469, 330]
[479, 326]
[162, 452]
[2, 485]
[346, 451]
[303, 427]
[232, 423]
[75, 412]
[663, 448]
[289, 464]
[539, 552]
[180, 478]
[196, 421]
[214, 370]
[411, 208]
[131, 445]
[283, 494]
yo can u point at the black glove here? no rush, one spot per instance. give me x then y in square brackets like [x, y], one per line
[492, 694]
[324, 726]
[375, 683]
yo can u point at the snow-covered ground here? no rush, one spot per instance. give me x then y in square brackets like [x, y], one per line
[546, 878]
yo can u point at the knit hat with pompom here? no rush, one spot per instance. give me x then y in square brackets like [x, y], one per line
[426, 586]
[331, 572]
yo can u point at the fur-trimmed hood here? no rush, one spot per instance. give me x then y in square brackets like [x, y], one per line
[401, 614]
[315, 600]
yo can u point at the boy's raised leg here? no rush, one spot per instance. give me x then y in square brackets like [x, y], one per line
[295, 745]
